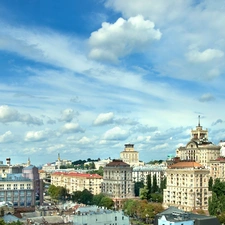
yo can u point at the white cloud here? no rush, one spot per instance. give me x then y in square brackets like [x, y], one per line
[41, 135]
[6, 137]
[67, 115]
[72, 128]
[55, 148]
[206, 97]
[8, 115]
[205, 56]
[84, 140]
[122, 38]
[116, 133]
[104, 118]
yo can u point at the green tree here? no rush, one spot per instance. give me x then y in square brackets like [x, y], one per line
[107, 203]
[86, 197]
[155, 187]
[137, 187]
[144, 193]
[76, 196]
[149, 184]
[97, 199]
[210, 183]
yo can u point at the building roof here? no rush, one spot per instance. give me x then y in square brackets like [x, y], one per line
[117, 162]
[76, 174]
[185, 164]
[175, 214]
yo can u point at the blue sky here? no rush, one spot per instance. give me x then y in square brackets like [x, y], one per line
[83, 78]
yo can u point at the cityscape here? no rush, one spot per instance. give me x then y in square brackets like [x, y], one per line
[182, 188]
[112, 112]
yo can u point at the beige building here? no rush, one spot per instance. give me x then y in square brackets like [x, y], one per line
[217, 168]
[140, 173]
[199, 148]
[130, 156]
[187, 186]
[74, 181]
[117, 181]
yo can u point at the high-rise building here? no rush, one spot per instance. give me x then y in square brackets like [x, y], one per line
[117, 181]
[187, 186]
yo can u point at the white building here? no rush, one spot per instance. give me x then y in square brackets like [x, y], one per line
[97, 216]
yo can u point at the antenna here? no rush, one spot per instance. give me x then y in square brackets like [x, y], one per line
[199, 120]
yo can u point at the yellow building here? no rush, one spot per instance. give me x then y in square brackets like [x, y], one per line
[130, 156]
[187, 186]
[199, 148]
[74, 181]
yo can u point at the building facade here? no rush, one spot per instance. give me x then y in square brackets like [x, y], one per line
[18, 190]
[117, 181]
[199, 148]
[130, 156]
[140, 173]
[74, 181]
[187, 186]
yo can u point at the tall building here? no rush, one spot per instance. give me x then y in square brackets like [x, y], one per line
[199, 148]
[130, 156]
[117, 181]
[187, 186]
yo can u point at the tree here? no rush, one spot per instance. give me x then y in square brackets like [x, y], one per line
[76, 196]
[149, 184]
[97, 199]
[144, 193]
[137, 187]
[210, 183]
[107, 203]
[155, 187]
[86, 197]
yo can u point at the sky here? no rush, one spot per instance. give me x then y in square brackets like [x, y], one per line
[84, 78]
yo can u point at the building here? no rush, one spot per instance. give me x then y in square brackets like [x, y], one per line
[130, 156]
[187, 186]
[117, 181]
[18, 190]
[140, 173]
[74, 181]
[31, 172]
[199, 148]
[98, 216]
[175, 216]
[217, 168]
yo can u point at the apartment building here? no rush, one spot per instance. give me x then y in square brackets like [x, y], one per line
[74, 181]
[187, 186]
[140, 173]
[130, 156]
[117, 181]
[18, 190]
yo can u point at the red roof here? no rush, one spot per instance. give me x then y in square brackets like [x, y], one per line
[76, 174]
[186, 164]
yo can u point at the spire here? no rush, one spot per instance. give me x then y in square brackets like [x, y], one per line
[199, 120]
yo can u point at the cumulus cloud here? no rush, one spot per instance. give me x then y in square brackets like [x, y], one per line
[67, 115]
[84, 140]
[8, 115]
[72, 128]
[104, 118]
[116, 133]
[6, 137]
[205, 56]
[122, 38]
[41, 135]
[206, 98]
